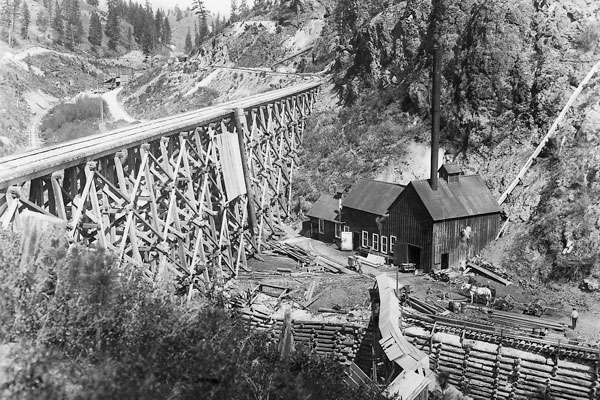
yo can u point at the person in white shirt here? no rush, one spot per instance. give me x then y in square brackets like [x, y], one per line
[574, 316]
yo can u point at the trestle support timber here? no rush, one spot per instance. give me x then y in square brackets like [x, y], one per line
[159, 193]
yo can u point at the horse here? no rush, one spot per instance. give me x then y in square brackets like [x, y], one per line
[477, 291]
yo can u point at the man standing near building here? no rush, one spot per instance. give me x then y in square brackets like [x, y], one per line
[574, 316]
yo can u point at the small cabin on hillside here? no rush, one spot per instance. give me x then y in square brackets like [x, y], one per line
[365, 210]
[325, 224]
[442, 228]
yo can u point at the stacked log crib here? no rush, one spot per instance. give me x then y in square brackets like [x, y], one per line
[342, 340]
[499, 371]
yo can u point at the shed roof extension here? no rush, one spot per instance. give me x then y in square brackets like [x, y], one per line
[372, 196]
[325, 208]
[469, 196]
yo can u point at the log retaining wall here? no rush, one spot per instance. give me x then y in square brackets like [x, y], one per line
[498, 371]
[342, 340]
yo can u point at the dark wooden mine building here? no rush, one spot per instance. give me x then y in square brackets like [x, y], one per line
[324, 217]
[433, 228]
[365, 210]
[443, 227]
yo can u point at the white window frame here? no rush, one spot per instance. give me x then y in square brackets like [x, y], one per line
[321, 226]
[365, 239]
[384, 244]
[375, 245]
[346, 228]
[338, 230]
[393, 240]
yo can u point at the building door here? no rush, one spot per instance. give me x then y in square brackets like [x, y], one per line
[445, 261]
[414, 255]
[356, 240]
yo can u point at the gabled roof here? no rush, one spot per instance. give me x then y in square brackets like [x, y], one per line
[451, 168]
[325, 208]
[469, 196]
[372, 196]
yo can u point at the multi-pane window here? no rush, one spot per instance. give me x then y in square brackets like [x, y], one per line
[321, 226]
[338, 230]
[392, 243]
[384, 244]
[365, 239]
[375, 242]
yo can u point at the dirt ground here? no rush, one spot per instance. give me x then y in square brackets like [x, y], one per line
[350, 292]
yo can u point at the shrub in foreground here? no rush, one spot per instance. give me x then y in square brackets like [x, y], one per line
[88, 328]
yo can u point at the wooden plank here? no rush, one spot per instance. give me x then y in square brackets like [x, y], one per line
[489, 274]
[308, 303]
[310, 291]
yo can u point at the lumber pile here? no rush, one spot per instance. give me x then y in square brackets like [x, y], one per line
[524, 322]
[333, 265]
[424, 306]
[368, 262]
[503, 372]
[488, 271]
[292, 251]
[307, 259]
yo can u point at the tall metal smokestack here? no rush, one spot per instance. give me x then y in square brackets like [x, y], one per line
[435, 115]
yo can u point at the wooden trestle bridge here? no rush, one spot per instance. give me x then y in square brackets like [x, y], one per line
[195, 193]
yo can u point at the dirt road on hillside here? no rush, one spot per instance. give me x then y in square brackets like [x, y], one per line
[115, 107]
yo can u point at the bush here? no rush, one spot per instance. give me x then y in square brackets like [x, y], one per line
[102, 331]
[590, 37]
[73, 120]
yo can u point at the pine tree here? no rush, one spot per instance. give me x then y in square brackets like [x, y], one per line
[129, 39]
[197, 40]
[95, 31]
[25, 19]
[234, 11]
[148, 37]
[158, 27]
[112, 29]
[166, 38]
[58, 25]
[199, 8]
[203, 29]
[243, 9]
[188, 42]
[12, 9]
[178, 14]
[42, 20]
[296, 6]
[73, 26]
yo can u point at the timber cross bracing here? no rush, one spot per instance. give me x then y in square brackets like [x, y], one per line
[167, 193]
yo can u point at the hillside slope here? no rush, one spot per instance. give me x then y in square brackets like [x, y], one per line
[508, 69]
[33, 80]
